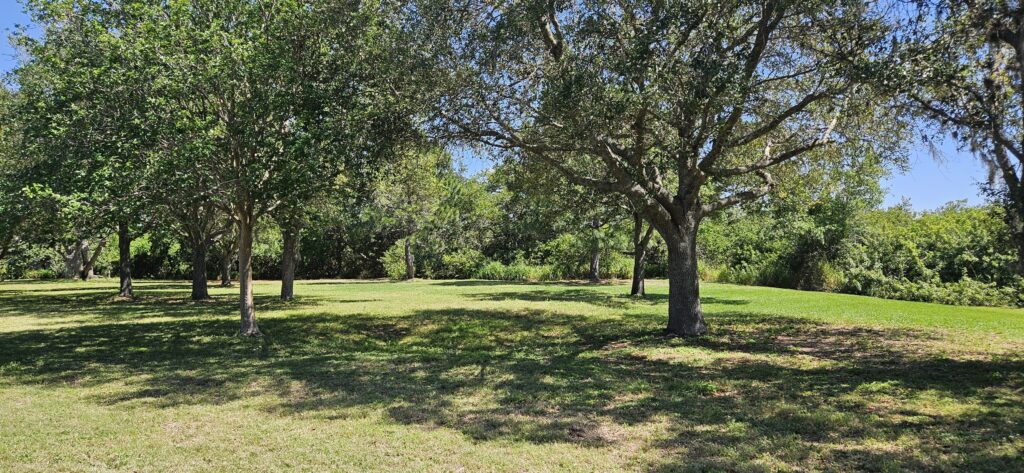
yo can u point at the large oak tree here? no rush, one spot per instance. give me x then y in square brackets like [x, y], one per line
[683, 107]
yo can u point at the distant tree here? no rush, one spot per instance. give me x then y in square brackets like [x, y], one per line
[284, 92]
[84, 121]
[409, 192]
[682, 107]
[642, 234]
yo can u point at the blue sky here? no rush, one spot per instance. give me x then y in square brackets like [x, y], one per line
[928, 184]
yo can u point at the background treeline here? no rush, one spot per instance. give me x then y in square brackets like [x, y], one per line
[498, 225]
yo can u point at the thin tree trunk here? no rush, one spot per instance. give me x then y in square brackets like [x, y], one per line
[124, 260]
[410, 261]
[1020, 253]
[595, 263]
[637, 288]
[225, 269]
[1016, 223]
[685, 316]
[246, 303]
[90, 264]
[641, 241]
[8, 243]
[288, 262]
[200, 290]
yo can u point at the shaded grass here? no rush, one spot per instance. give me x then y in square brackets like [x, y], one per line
[503, 377]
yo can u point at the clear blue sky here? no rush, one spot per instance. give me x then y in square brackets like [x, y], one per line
[928, 183]
[11, 14]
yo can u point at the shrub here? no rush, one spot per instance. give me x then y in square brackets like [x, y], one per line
[40, 274]
[394, 260]
[711, 272]
[517, 271]
[464, 263]
[963, 292]
[616, 265]
[771, 273]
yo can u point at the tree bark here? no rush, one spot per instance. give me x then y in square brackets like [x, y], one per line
[73, 263]
[290, 236]
[90, 264]
[595, 263]
[641, 241]
[124, 260]
[200, 290]
[225, 269]
[410, 261]
[685, 316]
[5, 249]
[246, 303]
[1015, 220]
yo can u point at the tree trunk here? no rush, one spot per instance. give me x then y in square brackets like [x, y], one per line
[90, 264]
[225, 269]
[684, 312]
[1020, 253]
[410, 262]
[288, 262]
[246, 303]
[73, 263]
[200, 291]
[641, 242]
[637, 288]
[124, 260]
[1015, 214]
[8, 243]
[595, 263]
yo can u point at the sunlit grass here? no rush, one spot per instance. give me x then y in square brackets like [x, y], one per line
[482, 376]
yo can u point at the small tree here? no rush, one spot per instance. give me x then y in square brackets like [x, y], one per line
[408, 194]
[283, 93]
[84, 124]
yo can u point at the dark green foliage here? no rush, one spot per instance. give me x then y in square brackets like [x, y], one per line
[954, 255]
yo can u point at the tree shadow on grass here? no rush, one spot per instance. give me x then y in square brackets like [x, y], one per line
[799, 391]
[589, 296]
[490, 282]
[151, 300]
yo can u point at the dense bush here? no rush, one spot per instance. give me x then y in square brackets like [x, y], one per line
[393, 260]
[461, 264]
[516, 271]
[954, 255]
[40, 274]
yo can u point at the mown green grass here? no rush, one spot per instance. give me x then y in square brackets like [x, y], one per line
[484, 376]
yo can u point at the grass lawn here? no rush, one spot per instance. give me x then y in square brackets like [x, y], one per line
[486, 376]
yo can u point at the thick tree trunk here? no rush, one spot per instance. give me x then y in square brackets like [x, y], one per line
[124, 260]
[88, 269]
[288, 262]
[246, 303]
[595, 264]
[73, 261]
[685, 316]
[410, 261]
[200, 290]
